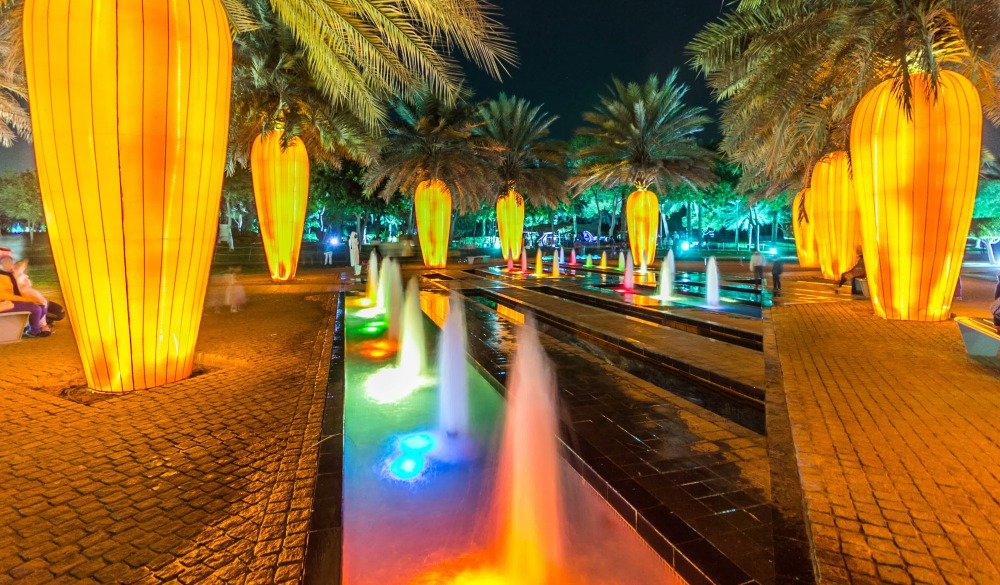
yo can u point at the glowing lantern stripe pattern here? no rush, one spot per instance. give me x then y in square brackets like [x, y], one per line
[916, 180]
[130, 114]
[510, 224]
[834, 211]
[281, 190]
[804, 232]
[643, 215]
[432, 207]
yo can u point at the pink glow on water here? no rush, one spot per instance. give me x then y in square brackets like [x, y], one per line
[628, 279]
[528, 480]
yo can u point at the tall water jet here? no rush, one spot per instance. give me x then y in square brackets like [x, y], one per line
[453, 376]
[604, 259]
[528, 479]
[371, 289]
[642, 267]
[666, 289]
[539, 270]
[510, 264]
[588, 260]
[670, 261]
[395, 300]
[621, 260]
[524, 261]
[712, 283]
[562, 257]
[628, 279]
[555, 265]
[384, 286]
[572, 257]
[412, 346]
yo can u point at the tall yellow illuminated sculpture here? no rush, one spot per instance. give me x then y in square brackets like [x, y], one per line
[804, 231]
[130, 112]
[834, 211]
[916, 178]
[510, 223]
[432, 208]
[281, 190]
[642, 211]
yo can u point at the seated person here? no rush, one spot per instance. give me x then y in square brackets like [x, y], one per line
[854, 273]
[10, 291]
[53, 311]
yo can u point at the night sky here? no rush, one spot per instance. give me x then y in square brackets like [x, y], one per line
[570, 49]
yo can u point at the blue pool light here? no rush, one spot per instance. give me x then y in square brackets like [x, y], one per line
[419, 443]
[407, 467]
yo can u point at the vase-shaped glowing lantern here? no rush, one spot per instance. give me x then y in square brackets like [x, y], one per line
[916, 179]
[510, 223]
[432, 207]
[804, 231]
[281, 191]
[130, 116]
[833, 208]
[643, 215]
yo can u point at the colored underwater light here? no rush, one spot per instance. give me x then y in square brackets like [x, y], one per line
[392, 385]
[370, 313]
[418, 443]
[407, 467]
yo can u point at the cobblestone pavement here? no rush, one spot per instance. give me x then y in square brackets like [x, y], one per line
[205, 480]
[897, 445]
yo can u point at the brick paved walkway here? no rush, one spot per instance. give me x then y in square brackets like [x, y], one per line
[898, 446]
[209, 479]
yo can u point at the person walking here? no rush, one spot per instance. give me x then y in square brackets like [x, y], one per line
[757, 264]
[777, 267]
[355, 248]
[328, 252]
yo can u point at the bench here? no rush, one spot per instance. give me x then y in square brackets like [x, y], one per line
[980, 337]
[12, 326]
[485, 258]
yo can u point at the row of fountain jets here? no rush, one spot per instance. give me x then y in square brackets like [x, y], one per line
[665, 287]
[528, 494]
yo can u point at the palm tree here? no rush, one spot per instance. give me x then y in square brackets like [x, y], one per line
[792, 71]
[429, 151]
[643, 135]
[514, 132]
[803, 79]
[14, 119]
[359, 53]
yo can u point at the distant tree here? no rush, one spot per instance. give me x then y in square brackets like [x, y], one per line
[21, 201]
[237, 200]
[986, 217]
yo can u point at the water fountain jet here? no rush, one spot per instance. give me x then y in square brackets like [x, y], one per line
[555, 265]
[712, 283]
[628, 279]
[572, 257]
[524, 261]
[539, 269]
[412, 345]
[621, 260]
[371, 287]
[666, 290]
[604, 259]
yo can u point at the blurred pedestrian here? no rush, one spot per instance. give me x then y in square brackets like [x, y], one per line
[757, 264]
[235, 295]
[355, 249]
[777, 267]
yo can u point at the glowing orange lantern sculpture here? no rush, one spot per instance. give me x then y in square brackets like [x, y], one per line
[432, 207]
[510, 223]
[804, 232]
[130, 115]
[916, 179]
[281, 190]
[833, 209]
[643, 215]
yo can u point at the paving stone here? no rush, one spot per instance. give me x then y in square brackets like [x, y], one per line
[126, 487]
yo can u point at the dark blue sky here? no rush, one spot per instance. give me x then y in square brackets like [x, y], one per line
[570, 49]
